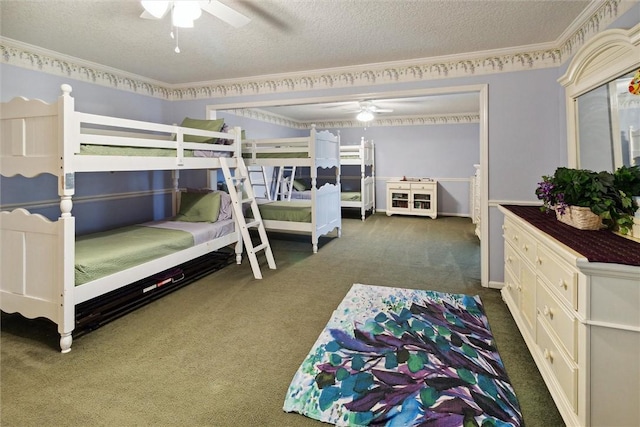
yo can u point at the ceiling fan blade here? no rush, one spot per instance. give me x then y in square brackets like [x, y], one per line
[381, 110]
[155, 9]
[147, 15]
[224, 13]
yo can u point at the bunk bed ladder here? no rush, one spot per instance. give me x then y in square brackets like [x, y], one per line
[259, 180]
[284, 185]
[241, 192]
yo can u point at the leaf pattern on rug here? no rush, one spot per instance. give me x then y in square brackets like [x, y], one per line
[401, 357]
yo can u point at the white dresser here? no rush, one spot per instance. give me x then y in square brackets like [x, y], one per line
[580, 320]
[414, 196]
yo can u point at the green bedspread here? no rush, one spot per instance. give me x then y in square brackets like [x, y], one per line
[350, 196]
[285, 211]
[292, 155]
[104, 253]
[107, 150]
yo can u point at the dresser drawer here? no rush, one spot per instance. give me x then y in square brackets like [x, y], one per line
[562, 323]
[398, 185]
[561, 278]
[528, 295]
[423, 186]
[512, 286]
[524, 243]
[512, 260]
[528, 246]
[564, 371]
[511, 233]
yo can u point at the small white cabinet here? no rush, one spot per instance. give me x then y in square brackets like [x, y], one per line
[413, 197]
[580, 321]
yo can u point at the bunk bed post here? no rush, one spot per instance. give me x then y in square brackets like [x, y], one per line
[373, 177]
[314, 189]
[68, 140]
[364, 190]
[237, 140]
[338, 168]
[175, 177]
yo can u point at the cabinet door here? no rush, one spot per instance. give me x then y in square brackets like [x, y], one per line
[398, 200]
[422, 201]
[528, 295]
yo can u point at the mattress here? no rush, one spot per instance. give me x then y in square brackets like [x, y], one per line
[296, 211]
[350, 196]
[282, 155]
[104, 253]
[112, 150]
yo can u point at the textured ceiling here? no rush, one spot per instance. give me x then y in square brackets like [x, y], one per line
[283, 35]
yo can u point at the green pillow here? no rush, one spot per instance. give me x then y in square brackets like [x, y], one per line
[210, 125]
[298, 185]
[199, 207]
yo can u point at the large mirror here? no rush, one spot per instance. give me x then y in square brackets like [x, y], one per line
[608, 122]
[603, 116]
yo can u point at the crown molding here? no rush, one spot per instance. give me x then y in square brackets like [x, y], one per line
[595, 18]
[443, 119]
[32, 57]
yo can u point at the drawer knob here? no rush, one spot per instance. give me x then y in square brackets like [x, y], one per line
[548, 355]
[515, 238]
[539, 260]
[547, 312]
[525, 247]
[508, 260]
[562, 284]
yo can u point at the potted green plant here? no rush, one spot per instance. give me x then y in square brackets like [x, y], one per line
[607, 195]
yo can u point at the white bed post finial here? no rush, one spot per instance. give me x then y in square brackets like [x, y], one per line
[66, 89]
[66, 205]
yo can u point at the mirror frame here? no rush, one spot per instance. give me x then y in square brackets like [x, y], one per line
[604, 58]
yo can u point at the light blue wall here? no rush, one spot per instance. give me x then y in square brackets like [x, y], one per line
[446, 153]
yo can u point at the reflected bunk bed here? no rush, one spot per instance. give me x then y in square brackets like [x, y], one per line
[357, 163]
[318, 215]
[46, 267]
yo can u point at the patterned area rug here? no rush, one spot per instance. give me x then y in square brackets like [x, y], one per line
[403, 357]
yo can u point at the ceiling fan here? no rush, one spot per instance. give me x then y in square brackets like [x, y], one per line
[367, 110]
[183, 13]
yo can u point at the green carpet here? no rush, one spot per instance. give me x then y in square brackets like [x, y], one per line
[222, 351]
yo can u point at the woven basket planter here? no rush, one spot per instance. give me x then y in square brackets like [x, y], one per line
[580, 217]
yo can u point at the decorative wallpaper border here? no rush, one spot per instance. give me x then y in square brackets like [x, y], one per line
[490, 62]
[444, 119]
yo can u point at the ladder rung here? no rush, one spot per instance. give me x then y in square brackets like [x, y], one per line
[260, 247]
[253, 224]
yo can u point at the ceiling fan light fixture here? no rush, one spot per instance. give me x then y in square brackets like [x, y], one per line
[364, 116]
[184, 13]
[157, 9]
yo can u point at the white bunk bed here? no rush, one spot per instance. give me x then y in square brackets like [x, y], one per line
[361, 155]
[38, 277]
[318, 150]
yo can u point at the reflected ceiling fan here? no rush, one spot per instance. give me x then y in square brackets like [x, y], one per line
[184, 13]
[367, 111]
